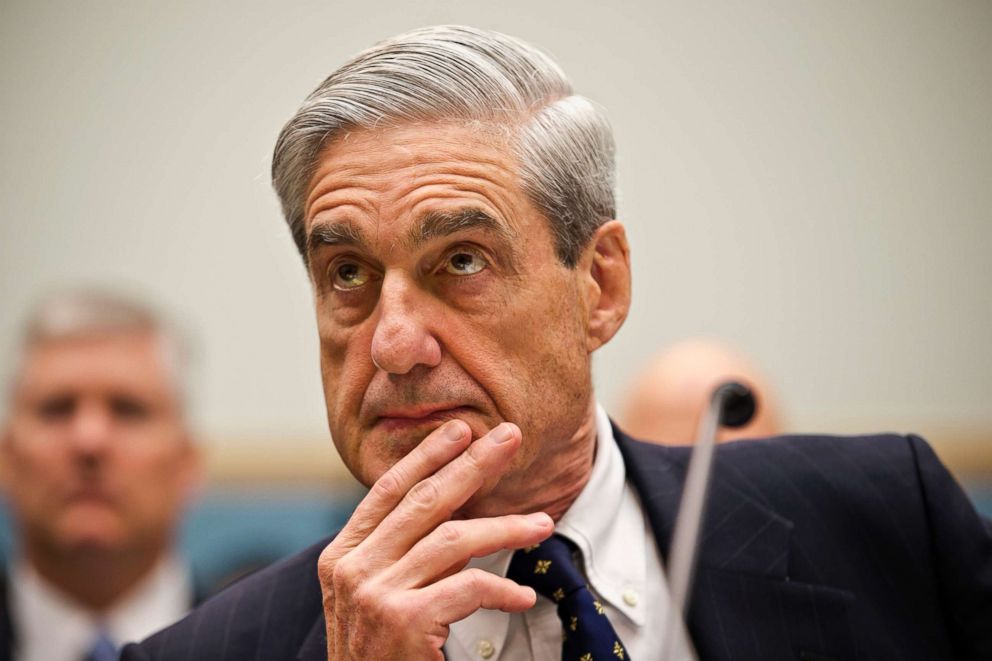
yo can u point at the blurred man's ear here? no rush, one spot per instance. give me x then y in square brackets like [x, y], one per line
[605, 269]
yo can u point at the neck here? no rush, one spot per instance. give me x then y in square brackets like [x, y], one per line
[97, 580]
[549, 480]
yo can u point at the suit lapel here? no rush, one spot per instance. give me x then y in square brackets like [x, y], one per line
[738, 534]
[743, 604]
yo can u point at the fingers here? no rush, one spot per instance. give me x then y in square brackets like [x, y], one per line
[437, 449]
[453, 543]
[458, 596]
[434, 499]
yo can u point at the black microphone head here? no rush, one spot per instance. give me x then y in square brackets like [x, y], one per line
[738, 404]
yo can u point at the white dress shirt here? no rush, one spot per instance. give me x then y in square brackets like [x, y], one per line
[622, 565]
[50, 626]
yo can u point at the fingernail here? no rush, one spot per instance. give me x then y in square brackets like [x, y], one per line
[502, 433]
[539, 519]
[452, 431]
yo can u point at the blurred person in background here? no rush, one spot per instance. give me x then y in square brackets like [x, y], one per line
[666, 401]
[97, 465]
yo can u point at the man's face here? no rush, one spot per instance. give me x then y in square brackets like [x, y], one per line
[439, 296]
[95, 456]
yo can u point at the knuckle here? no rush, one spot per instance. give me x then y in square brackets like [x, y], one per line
[450, 532]
[344, 576]
[326, 564]
[389, 485]
[426, 493]
[364, 599]
[475, 579]
[472, 459]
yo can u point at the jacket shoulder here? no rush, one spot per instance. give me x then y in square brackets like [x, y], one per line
[266, 615]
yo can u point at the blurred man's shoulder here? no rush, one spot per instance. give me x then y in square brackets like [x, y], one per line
[270, 612]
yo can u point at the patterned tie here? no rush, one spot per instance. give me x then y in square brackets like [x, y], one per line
[103, 648]
[549, 568]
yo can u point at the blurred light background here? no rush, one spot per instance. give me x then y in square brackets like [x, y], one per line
[811, 181]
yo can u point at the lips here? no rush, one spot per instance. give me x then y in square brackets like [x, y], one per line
[400, 418]
[89, 493]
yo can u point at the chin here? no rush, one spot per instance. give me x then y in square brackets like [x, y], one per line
[92, 535]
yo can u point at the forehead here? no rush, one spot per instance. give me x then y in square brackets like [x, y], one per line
[395, 174]
[132, 361]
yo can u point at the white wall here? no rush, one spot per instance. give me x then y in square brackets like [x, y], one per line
[811, 180]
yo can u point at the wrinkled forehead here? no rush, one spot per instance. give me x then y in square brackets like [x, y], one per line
[420, 176]
[384, 151]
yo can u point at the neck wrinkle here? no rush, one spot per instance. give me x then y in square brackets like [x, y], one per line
[551, 482]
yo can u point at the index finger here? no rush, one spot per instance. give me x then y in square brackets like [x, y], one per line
[437, 449]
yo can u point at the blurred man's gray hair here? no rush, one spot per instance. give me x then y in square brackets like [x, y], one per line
[86, 313]
[449, 73]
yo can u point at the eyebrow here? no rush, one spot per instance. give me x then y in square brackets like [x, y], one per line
[432, 225]
[334, 234]
[436, 224]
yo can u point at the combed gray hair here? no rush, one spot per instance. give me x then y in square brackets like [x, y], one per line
[563, 143]
[84, 313]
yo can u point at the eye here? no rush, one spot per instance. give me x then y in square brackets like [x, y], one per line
[349, 275]
[56, 408]
[128, 408]
[464, 262]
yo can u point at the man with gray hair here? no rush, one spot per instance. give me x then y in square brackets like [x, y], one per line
[452, 198]
[96, 464]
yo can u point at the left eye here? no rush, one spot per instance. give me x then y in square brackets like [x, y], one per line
[464, 263]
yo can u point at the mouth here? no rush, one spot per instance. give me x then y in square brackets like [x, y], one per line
[89, 492]
[404, 419]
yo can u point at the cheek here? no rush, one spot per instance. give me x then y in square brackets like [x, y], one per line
[545, 339]
[346, 370]
[37, 466]
[151, 480]
[539, 365]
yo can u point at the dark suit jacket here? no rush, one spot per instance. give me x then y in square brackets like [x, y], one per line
[813, 548]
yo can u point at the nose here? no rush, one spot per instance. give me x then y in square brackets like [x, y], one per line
[91, 429]
[402, 340]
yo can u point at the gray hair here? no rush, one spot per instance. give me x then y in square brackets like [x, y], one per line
[562, 141]
[88, 313]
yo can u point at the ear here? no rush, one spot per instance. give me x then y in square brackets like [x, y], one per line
[605, 265]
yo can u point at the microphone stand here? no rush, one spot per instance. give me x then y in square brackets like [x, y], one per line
[731, 405]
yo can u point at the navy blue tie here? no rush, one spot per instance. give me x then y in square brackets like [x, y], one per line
[550, 569]
[103, 648]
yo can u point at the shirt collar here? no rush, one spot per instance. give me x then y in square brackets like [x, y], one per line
[159, 599]
[607, 525]
[605, 522]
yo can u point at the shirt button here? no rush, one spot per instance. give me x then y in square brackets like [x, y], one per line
[630, 597]
[485, 649]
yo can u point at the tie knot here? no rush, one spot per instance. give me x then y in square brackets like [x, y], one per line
[548, 567]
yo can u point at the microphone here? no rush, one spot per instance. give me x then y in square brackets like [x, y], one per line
[731, 405]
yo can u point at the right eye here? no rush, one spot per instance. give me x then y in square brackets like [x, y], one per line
[55, 409]
[350, 275]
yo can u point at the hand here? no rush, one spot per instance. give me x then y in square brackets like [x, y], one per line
[394, 578]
